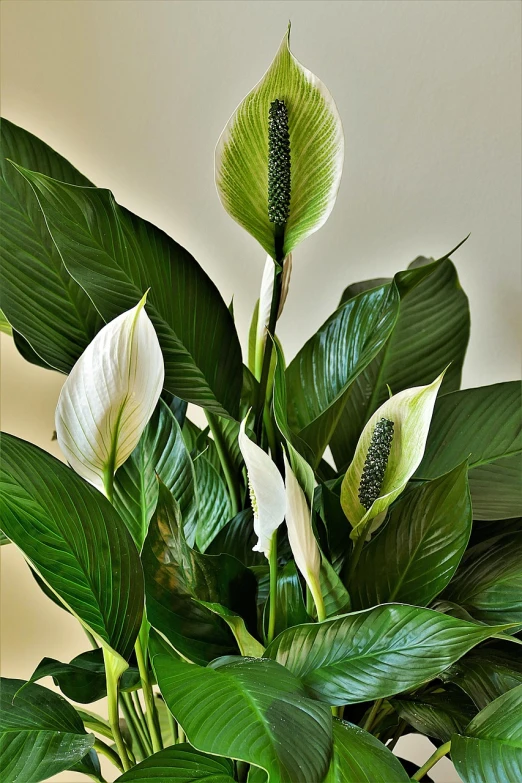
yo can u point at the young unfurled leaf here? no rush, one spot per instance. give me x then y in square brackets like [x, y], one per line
[388, 453]
[301, 166]
[110, 396]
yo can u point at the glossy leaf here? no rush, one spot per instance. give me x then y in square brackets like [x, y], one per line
[213, 501]
[437, 715]
[40, 733]
[248, 645]
[415, 555]
[484, 425]
[274, 726]
[490, 749]
[430, 296]
[316, 153]
[60, 522]
[238, 539]
[109, 397]
[161, 452]
[116, 256]
[488, 584]
[290, 607]
[175, 575]
[487, 672]
[182, 764]
[375, 653]
[321, 375]
[38, 296]
[359, 757]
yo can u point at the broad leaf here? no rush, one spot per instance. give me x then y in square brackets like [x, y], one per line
[488, 584]
[375, 653]
[359, 757]
[249, 709]
[487, 672]
[214, 503]
[316, 153]
[415, 555]
[320, 377]
[180, 763]
[484, 425]
[248, 645]
[40, 733]
[438, 715]
[290, 607]
[116, 256]
[75, 540]
[238, 539]
[490, 749]
[40, 299]
[175, 575]
[431, 296]
[160, 452]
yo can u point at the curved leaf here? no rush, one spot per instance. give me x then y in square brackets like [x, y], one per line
[161, 452]
[180, 763]
[40, 733]
[238, 539]
[248, 646]
[486, 673]
[438, 715]
[484, 425]
[75, 540]
[360, 758]
[491, 747]
[214, 503]
[376, 653]
[320, 377]
[39, 297]
[116, 256]
[415, 555]
[274, 726]
[430, 296]
[316, 153]
[5, 326]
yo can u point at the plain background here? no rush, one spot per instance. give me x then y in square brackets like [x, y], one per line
[135, 94]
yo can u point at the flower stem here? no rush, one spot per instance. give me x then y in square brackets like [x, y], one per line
[139, 738]
[224, 458]
[273, 589]
[151, 714]
[317, 596]
[142, 723]
[113, 672]
[439, 753]
[370, 720]
[357, 549]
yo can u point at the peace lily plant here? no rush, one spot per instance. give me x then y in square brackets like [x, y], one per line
[333, 562]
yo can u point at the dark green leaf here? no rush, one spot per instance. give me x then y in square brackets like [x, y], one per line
[438, 715]
[360, 758]
[249, 709]
[416, 553]
[487, 672]
[238, 539]
[39, 297]
[116, 256]
[490, 750]
[335, 595]
[376, 653]
[40, 733]
[161, 451]
[320, 376]
[175, 575]
[484, 425]
[180, 763]
[214, 503]
[290, 608]
[89, 765]
[248, 645]
[431, 332]
[76, 541]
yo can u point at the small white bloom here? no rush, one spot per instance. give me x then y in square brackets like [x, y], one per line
[300, 532]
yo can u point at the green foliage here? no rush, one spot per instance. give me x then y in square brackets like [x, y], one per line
[163, 570]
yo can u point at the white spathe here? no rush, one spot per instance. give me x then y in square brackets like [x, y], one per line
[110, 395]
[300, 532]
[267, 491]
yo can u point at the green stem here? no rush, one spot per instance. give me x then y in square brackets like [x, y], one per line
[133, 726]
[173, 726]
[357, 550]
[439, 753]
[181, 734]
[113, 672]
[142, 723]
[224, 458]
[273, 588]
[151, 714]
[318, 599]
[101, 747]
[368, 723]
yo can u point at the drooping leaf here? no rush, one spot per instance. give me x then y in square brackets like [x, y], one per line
[213, 501]
[488, 583]
[430, 333]
[320, 377]
[274, 726]
[487, 672]
[75, 540]
[490, 749]
[375, 653]
[359, 757]
[409, 414]
[181, 763]
[438, 715]
[109, 396]
[484, 425]
[316, 153]
[175, 575]
[161, 451]
[416, 553]
[89, 765]
[248, 645]
[40, 733]
[116, 256]
[38, 296]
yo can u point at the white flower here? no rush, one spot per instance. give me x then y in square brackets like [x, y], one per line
[300, 532]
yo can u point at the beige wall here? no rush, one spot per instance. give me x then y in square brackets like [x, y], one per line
[135, 94]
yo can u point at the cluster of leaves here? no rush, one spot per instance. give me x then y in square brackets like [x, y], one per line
[420, 632]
